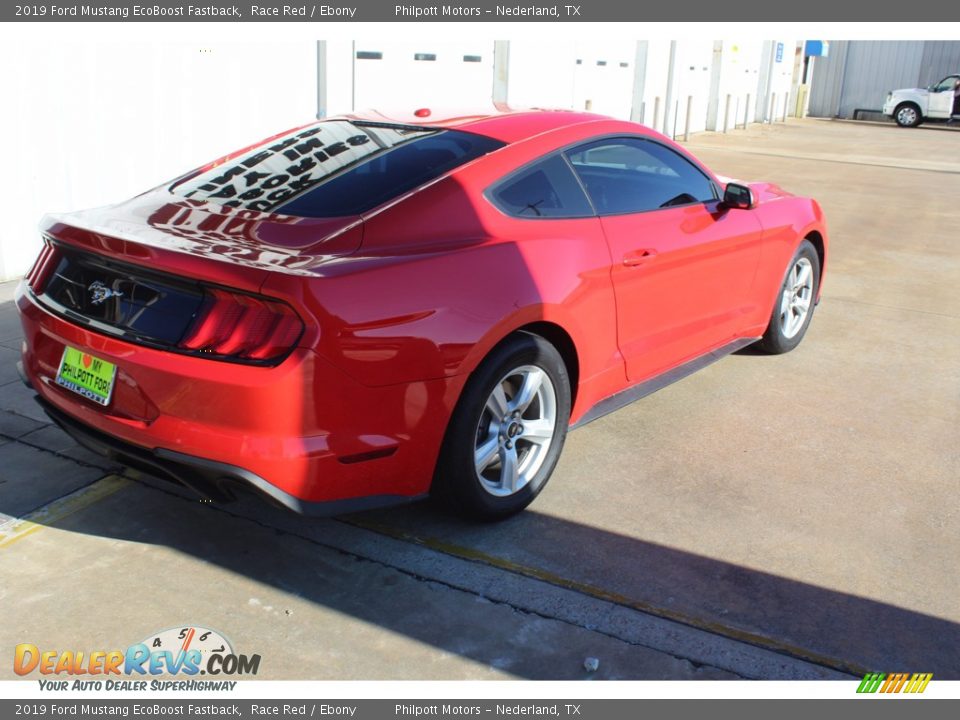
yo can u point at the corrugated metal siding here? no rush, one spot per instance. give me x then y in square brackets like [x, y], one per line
[827, 80]
[940, 58]
[873, 68]
[858, 73]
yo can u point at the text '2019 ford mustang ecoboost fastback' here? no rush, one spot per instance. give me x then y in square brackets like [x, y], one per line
[367, 310]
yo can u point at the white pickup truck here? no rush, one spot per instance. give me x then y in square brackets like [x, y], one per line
[912, 106]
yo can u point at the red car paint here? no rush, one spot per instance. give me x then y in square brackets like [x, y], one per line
[401, 303]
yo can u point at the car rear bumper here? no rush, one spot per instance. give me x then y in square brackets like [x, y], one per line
[210, 480]
[302, 433]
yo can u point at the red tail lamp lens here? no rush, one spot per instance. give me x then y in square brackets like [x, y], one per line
[45, 262]
[234, 326]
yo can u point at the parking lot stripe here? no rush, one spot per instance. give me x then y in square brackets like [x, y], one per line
[599, 593]
[16, 529]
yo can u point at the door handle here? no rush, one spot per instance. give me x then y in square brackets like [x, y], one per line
[638, 257]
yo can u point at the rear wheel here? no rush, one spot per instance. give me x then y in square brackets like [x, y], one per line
[507, 431]
[794, 307]
[907, 115]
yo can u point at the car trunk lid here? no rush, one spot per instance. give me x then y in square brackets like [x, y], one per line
[159, 226]
[147, 270]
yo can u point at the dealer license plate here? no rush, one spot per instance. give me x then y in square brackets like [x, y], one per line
[86, 375]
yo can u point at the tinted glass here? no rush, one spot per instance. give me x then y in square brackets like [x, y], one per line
[149, 307]
[946, 84]
[545, 189]
[334, 168]
[627, 175]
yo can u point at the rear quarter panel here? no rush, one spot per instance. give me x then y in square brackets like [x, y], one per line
[432, 291]
[442, 276]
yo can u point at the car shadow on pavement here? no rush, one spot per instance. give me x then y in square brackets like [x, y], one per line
[830, 627]
[276, 549]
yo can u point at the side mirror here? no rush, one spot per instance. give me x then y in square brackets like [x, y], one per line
[739, 197]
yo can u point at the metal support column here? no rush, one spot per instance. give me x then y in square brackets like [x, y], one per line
[321, 79]
[713, 99]
[668, 100]
[639, 81]
[501, 71]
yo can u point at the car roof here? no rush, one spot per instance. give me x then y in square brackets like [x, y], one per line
[499, 122]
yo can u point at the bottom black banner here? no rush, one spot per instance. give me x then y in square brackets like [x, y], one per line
[872, 707]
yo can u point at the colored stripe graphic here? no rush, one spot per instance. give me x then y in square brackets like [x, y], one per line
[870, 682]
[894, 683]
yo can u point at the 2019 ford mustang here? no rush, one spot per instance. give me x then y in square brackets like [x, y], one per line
[367, 310]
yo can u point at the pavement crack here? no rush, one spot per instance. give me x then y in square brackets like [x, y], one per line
[52, 501]
[113, 468]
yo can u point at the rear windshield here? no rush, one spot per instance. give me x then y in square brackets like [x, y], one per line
[334, 168]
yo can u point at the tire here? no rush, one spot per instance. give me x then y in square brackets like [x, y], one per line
[487, 438]
[907, 115]
[794, 307]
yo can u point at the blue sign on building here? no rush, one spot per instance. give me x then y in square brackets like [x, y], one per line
[779, 52]
[816, 48]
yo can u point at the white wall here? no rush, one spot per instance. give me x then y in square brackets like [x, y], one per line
[692, 64]
[548, 75]
[740, 77]
[541, 74]
[88, 124]
[782, 77]
[399, 81]
[603, 79]
[655, 84]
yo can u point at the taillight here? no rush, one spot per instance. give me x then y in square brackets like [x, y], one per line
[231, 326]
[40, 271]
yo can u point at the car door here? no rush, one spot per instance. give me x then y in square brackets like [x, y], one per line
[682, 266]
[941, 98]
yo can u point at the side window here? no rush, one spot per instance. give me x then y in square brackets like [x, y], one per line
[630, 175]
[546, 189]
[947, 84]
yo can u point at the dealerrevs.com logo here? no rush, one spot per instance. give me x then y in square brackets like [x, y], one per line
[185, 651]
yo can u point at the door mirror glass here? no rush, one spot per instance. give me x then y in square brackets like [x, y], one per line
[738, 196]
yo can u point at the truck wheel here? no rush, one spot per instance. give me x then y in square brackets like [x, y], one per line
[907, 115]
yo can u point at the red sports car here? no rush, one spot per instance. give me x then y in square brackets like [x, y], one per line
[367, 310]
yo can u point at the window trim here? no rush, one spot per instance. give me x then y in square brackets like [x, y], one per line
[714, 184]
[952, 78]
[491, 189]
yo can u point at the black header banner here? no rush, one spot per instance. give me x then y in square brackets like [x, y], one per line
[480, 11]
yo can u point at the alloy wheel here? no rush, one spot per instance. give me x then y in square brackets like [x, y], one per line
[796, 298]
[515, 431]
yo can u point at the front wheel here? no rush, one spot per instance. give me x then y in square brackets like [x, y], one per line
[507, 431]
[794, 307]
[907, 115]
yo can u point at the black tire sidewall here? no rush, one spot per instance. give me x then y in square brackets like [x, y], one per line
[455, 481]
[774, 340]
[896, 115]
